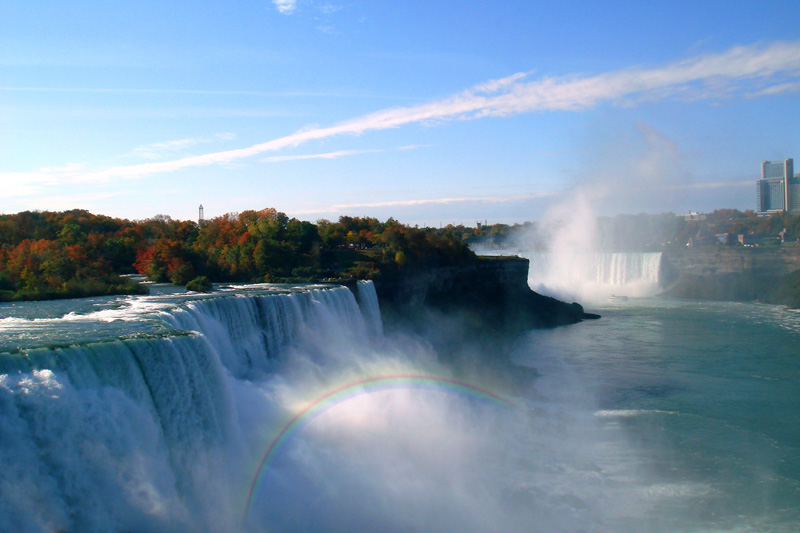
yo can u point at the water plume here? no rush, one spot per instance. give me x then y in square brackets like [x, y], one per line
[349, 391]
[173, 432]
[581, 259]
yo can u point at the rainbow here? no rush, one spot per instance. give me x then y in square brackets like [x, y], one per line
[358, 388]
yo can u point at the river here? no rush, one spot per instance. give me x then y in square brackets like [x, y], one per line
[279, 408]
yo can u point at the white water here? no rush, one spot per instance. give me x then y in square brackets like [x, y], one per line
[594, 277]
[164, 431]
[149, 434]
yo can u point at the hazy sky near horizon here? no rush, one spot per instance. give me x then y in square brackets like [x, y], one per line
[431, 112]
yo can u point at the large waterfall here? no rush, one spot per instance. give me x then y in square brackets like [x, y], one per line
[279, 408]
[145, 432]
[595, 276]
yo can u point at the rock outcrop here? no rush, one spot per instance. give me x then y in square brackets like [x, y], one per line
[492, 290]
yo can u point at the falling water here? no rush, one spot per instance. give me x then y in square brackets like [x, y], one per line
[289, 409]
[592, 277]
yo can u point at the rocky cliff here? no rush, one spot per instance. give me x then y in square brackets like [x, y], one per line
[491, 290]
[727, 272]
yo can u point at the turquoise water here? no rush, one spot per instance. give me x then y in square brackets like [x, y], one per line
[707, 399]
[26, 325]
[152, 413]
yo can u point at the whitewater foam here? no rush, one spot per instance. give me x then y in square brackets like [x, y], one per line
[594, 277]
[628, 413]
[167, 433]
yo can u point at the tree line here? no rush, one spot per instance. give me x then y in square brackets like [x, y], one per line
[75, 253]
[642, 232]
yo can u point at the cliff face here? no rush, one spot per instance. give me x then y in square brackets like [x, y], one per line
[727, 272]
[711, 260]
[493, 291]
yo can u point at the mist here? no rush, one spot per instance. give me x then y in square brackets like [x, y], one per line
[177, 433]
[426, 459]
[578, 252]
[174, 434]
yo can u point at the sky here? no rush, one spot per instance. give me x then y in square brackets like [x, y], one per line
[429, 112]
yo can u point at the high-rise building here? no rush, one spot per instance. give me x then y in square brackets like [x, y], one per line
[778, 189]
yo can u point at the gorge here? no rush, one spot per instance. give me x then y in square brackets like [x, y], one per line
[718, 272]
[305, 408]
[153, 413]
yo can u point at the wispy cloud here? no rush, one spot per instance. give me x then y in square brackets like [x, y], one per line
[740, 71]
[162, 149]
[791, 87]
[328, 8]
[328, 155]
[286, 7]
[337, 154]
[492, 199]
[415, 146]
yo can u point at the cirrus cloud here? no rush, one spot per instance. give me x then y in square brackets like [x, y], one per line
[743, 71]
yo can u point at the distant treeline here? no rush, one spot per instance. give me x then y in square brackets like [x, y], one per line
[76, 253]
[642, 232]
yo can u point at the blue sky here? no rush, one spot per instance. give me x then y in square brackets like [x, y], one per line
[431, 112]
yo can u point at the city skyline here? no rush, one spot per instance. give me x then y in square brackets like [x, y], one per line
[778, 189]
[429, 114]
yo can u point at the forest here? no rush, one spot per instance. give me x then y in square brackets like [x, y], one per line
[46, 255]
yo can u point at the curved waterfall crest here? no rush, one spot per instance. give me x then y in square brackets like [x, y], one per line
[250, 333]
[141, 432]
[592, 276]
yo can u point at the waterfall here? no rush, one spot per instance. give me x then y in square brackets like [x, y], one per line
[147, 433]
[286, 409]
[368, 300]
[111, 431]
[249, 334]
[595, 276]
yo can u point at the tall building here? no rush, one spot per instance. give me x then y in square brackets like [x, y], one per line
[778, 189]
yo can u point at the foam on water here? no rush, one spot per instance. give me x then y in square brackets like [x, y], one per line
[170, 431]
[595, 277]
[625, 413]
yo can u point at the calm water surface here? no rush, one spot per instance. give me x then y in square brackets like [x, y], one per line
[708, 398]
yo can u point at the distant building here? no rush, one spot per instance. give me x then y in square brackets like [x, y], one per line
[694, 216]
[778, 190]
[750, 239]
